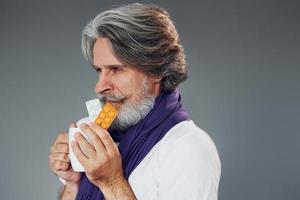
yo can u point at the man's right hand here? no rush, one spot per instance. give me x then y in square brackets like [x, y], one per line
[59, 161]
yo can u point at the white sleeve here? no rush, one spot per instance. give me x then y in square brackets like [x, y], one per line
[189, 167]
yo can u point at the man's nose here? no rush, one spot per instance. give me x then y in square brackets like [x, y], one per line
[103, 84]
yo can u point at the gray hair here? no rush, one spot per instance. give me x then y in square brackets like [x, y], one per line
[142, 36]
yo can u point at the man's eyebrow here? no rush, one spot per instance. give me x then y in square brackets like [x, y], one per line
[110, 66]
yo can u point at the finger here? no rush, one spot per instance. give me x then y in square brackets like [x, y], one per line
[68, 174]
[61, 156]
[106, 139]
[60, 148]
[98, 145]
[78, 153]
[72, 125]
[56, 165]
[85, 146]
[62, 138]
[60, 165]
[51, 161]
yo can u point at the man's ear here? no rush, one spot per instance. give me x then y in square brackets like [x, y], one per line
[156, 79]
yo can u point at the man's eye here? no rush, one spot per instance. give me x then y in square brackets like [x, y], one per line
[98, 70]
[115, 69]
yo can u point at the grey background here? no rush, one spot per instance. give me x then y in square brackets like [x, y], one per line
[243, 89]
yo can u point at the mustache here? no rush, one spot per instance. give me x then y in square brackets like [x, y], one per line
[110, 97]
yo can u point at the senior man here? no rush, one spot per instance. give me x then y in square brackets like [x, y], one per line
[153, 150]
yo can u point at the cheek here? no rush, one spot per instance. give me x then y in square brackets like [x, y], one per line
[123, 85]
[127, 85]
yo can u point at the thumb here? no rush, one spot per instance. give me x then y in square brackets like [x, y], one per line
[72, 125]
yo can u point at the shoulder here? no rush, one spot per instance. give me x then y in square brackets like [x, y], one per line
[187, 139]
[188, 157]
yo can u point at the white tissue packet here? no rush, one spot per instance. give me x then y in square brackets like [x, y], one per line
[76, 165]
[94, 107]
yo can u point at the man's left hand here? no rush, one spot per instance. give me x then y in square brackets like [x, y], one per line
[101, 159]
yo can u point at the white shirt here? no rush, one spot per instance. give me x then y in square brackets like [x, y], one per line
[184, 164]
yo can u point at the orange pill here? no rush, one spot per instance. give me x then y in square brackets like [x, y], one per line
[106, 109]
[102, 115]
[111, 114]
[104, 125]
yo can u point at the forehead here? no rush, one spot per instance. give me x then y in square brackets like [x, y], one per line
[103, 53]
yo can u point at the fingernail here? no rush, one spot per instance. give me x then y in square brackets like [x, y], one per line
[72, 125]
[92, 123]
[83, 125]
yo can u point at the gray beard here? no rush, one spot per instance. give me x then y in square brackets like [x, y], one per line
[132, 112]
[130, 115]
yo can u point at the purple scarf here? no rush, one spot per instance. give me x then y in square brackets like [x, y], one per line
[137, 141]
